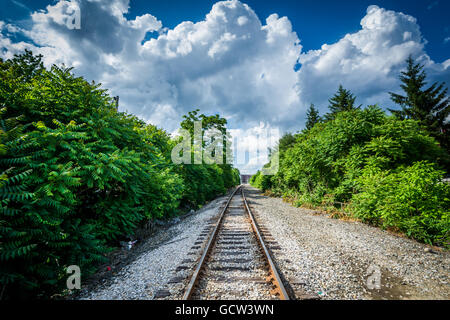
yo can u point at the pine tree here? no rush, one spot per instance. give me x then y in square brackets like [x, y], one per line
[312, 117]
[431, 107]
[343, 100]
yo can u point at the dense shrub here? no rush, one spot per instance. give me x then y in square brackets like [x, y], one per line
[208, 180]
[261, 181]
[77, 176]
[374, 161]
[412, 199]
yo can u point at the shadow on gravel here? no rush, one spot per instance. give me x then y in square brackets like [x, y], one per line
[254, 194]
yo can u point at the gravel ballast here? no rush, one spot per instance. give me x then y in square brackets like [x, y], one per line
[334, 259]
[153, 269]
[235, 268]
[319, 257]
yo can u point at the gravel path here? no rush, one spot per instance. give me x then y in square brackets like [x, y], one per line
[334, 259]
[154, 268]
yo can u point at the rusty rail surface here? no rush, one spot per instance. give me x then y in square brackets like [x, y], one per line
[273, 278]
[196, 275]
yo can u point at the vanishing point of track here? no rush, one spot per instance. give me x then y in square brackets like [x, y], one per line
[236, 263]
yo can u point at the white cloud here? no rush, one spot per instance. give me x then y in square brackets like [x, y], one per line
[251, 146]
[242, 20]
[230, 63]
[367, 62]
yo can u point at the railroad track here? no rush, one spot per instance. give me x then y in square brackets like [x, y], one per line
[235, 262]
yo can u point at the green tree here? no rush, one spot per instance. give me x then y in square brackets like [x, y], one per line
[343, 100]
[206, 181]
[208, 122]
[334, 162]
[214, 122]
[286, 141]
[312, 117]
[76, 176]
[431, 106]
[24, 66]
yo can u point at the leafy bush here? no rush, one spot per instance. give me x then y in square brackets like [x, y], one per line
[207, 180]
[374, 161]
[411, 199]
[77, 176]
[261, 181]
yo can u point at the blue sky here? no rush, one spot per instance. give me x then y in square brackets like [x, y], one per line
[258, 63]
[316, 22]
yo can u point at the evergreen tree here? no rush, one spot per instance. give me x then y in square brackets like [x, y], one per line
[431, 107]
[312, 117]
[286, 141]
[343, 100]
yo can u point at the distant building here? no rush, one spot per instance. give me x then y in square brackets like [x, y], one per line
[245, 178]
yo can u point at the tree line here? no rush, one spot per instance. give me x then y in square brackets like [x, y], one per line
[383, 169]
[77, 176]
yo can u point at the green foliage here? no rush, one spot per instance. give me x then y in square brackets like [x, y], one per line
[411, 199]
[208, 122]
[312, 117]
[261, 181]
[77, 176]
[343, 100]
[286, 141]
[431, 106]
[334, 162]
[206, 181]
[386, 168]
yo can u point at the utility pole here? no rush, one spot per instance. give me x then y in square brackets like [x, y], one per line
[116, 100]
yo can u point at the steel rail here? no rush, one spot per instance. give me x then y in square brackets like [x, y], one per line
[195, 276]
[274, 276]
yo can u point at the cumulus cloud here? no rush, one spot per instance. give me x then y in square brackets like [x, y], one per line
[227, 63]
[251, 146]
[230, 63]
[367, 62]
